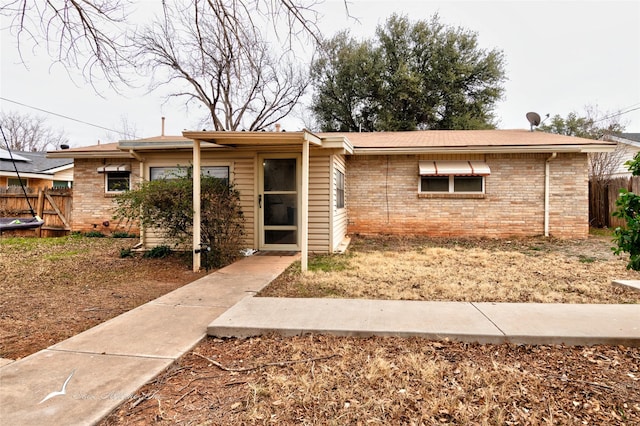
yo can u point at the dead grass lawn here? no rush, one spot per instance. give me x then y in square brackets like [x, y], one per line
[328, 380]
[524, 270]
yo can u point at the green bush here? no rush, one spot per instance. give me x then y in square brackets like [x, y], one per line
[158, 252]
[167, 205]
[123, 234]
[94, 234]
[126, 252]
[627, 238]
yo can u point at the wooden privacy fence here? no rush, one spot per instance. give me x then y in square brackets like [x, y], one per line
[602, 200]
[52, 205]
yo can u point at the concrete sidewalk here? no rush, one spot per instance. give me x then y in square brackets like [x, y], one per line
[532, 323]
[81, 380]
[99, 369]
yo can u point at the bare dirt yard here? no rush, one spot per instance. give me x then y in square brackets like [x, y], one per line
[339, 380]
[54, 288]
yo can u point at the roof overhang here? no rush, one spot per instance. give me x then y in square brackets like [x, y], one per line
[524, 149]
[161, 145]
[257, 139]
[623, 140]
[89, 154]
[59, 168]
[27, 175]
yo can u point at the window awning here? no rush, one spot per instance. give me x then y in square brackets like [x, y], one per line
[114, 168]
[459, 168]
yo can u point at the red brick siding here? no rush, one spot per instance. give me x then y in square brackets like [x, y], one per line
[383, 198]
[91, 205]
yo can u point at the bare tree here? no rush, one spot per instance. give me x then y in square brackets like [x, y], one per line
[95, 35]
[86, 34]
[128, 130]
[29, 133]
[221, 61]
[592, 124]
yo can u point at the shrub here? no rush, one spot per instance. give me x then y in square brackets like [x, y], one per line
[94, 234]
[123, 234]
[167, 205]
[627, 238]
[158, 252]
[126, 252]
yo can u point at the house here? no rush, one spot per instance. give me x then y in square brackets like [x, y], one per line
[35, 170]
[628, 147]
[305, 191]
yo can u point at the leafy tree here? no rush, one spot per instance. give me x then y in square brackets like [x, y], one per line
[348, 73]
[167, 205]
[422, 75]
[627, 238]
[27, 132]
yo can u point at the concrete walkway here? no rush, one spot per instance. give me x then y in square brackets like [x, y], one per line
[81, 380]
[534, 323]
[106, 365]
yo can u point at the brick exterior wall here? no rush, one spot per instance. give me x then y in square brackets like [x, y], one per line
[92, 206]
[382, 198]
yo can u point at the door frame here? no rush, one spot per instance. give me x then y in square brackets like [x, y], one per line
[260, 196]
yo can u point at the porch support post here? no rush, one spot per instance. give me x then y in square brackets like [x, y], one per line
[304, 226]
[196, 205]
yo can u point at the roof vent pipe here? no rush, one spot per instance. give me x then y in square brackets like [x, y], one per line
[277, 127]
[162, 134]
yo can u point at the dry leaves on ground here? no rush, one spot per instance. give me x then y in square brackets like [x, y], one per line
[54, 288]
[329, 380]
[478, 270]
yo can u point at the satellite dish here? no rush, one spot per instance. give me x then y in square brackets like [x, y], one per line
[534, 119]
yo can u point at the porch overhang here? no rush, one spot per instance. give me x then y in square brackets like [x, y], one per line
[253, 139]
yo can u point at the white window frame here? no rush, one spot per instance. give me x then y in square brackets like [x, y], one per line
[106, 182]
[451, 189]
[173, 169]
[340, 178]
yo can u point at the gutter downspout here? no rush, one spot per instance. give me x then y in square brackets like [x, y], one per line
[546, 192]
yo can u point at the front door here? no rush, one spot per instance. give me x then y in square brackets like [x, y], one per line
[278, 202]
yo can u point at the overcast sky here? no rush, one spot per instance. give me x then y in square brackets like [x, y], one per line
[560, 57]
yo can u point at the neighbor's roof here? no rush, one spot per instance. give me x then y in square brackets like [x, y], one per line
[631, 136]
[470, 140]
[32, 164]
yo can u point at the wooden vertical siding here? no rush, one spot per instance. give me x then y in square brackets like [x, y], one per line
[319, 201]
[244, 178]
[339, 216]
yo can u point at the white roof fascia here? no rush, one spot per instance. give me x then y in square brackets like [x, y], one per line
[624, 141]
[487, 150]
[155, 145]
[27, 175]
[338, 142]
[89, 154]
[59, 168]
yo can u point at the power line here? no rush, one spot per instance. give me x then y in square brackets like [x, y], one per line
[120, 132]
[619, 113]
